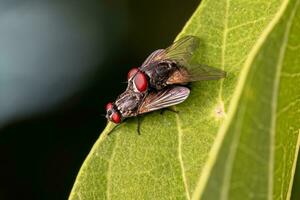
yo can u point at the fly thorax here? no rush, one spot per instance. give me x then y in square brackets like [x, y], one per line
[128, 102]
[161, 73]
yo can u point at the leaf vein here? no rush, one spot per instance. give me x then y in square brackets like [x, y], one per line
[184, 179]
[289, 75]
[287, 107]
[223, 53]
[293, 47]
[247, 23]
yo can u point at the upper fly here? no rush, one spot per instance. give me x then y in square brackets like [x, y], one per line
[172, 65]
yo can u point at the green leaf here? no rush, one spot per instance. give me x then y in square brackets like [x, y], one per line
[235, 138]
[255, 152]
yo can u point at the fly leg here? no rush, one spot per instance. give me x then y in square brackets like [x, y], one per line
[110, 132]
[138, 125]
[137, 129]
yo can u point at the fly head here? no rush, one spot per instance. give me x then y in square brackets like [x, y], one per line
[112, 114]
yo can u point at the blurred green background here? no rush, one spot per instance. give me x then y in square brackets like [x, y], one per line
[60, 63]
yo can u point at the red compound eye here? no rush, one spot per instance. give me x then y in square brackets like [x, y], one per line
[132, 72]
[109, 106]
[116, 118]
[140, 82]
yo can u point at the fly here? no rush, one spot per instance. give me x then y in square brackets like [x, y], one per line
[172, 66]
[131, 104]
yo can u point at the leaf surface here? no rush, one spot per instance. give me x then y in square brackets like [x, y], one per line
[231, 135]
[255, 152]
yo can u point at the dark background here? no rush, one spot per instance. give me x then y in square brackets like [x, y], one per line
[60, 63]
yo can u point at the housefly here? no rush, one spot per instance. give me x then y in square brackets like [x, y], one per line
[171, 66]
[131, 103]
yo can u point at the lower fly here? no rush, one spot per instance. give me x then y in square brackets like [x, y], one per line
[131, 104]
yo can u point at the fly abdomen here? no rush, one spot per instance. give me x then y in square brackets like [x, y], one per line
[160, 73]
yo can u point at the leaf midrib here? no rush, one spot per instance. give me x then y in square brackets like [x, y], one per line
[224, 190]
[224, 41]
[184, 179]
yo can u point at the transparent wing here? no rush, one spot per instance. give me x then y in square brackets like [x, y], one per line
[181, 52]
[164, 98]
[201, 72]
[153, 57]
[197, 72]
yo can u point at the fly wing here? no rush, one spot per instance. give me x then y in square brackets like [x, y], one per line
[198, 72]
[153, 57]
[164, 98]
[181, 51]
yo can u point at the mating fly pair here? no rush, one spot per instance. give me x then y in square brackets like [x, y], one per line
[160, 81]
